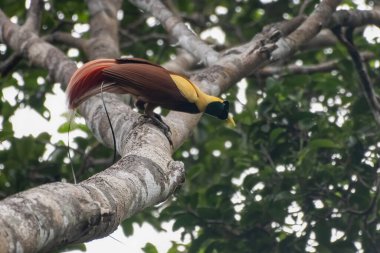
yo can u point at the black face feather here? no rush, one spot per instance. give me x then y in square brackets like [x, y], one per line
[218, 109]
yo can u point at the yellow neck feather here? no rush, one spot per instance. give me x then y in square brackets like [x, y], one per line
[192, 93]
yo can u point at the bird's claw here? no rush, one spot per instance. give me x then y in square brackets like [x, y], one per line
[157, 121]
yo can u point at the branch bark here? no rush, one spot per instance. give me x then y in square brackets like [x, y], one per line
[67, 39]
[309, 29]
[355, 18]
[33, 18]
[36, 50]
[179, 31]
[293, 69]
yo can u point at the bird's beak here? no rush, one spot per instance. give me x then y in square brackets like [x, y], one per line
[230, 121]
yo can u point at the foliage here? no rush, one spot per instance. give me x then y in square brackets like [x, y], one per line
[297, 173]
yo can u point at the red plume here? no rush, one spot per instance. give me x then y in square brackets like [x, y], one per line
[86, 81]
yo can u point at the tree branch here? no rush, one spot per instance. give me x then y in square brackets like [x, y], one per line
[183, 62]
[304, 6]
[351, 18]
[325, 38]
[36, 50]
[355, 18]
[294, 69]
[67, 39]
[140, 39]
[179, 31]
[89, 210]
[33, 18]
[308, 30]
[104, 26]
[7, 65]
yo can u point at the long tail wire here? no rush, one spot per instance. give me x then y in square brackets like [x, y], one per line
[68, 147]
[69, 129]
[114, 142]
[109, 121]
[114, 145]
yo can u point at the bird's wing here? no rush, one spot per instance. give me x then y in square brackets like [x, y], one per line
[156, 84]
[135, 60]
[185, 87]
[142, 78]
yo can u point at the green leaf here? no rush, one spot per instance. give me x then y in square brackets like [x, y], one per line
[71, 247]
[323, 143]
[197, 243]
[343, 246]
[5, 134]
[323, 233]
[65, 127]
[70, 126]
[184, 221]
[127, 227]
[275, 133]
[150, 248]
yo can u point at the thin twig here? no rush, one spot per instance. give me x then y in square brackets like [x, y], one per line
[304, 6]
[293, 69]
[11, 62]
[67, 39]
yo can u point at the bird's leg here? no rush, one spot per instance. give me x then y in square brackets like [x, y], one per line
[154, 117]
[140, 104]
[157, 120]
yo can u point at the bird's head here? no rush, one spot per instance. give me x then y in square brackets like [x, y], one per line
[220, 109]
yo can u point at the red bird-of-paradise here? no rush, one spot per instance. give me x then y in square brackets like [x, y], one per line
[151, 84]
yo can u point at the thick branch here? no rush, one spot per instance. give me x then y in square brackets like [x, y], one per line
[53, 215]
[33, 18]
[351, 18]
[308, 30]
[179, 31]
[36, 50]
[183, 62]
[325, 38]
[355, 18]
[104, 26]
[103, 43]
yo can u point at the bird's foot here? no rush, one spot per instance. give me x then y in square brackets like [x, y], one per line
[156, 120]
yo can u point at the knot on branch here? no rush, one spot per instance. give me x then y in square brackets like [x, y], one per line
[177, 170]
[267, 45]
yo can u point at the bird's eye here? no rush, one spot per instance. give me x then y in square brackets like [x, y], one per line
[224, 113]
[218, 109]
[226, 105]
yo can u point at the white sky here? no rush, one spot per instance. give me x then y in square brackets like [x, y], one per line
[142, 235]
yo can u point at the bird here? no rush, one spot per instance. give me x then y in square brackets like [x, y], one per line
[152, 85]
